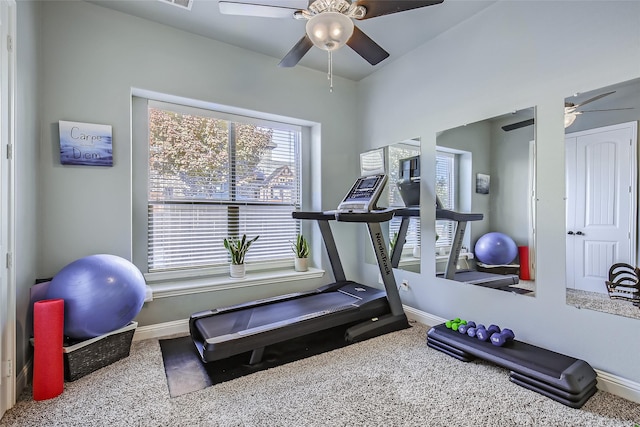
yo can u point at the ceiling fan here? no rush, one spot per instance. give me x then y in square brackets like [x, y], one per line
[329, 23]
[570, 113]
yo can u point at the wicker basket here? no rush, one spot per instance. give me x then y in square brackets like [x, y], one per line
[88, 356]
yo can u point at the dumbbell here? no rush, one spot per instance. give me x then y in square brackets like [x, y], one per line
[482, 334]
[464, 327]
[473, 331]
[493, 329]
[500, 338]
[449, 323]
[456, 325]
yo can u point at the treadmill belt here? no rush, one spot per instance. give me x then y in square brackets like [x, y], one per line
[274, 315]
[220, 334]
[490, 280]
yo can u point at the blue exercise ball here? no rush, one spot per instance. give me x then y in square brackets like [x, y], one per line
[101, 293]
[496, 249]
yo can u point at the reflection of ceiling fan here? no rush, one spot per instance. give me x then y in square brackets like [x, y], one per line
[570, 113]
[330, 23]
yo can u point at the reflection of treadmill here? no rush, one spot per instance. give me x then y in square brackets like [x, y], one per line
[409, 188]
[473, 277]
[405, 215]
[364, 311]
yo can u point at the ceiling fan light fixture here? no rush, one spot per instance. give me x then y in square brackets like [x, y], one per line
[329, 30]
[569, 118]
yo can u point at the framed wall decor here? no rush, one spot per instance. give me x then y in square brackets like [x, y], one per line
[85, 144]
[483, 183]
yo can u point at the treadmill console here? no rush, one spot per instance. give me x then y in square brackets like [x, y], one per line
[364, 194]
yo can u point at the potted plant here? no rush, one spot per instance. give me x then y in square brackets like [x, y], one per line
[238, 249]
[301, 249]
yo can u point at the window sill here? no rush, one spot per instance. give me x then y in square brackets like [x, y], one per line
[213, 283]
[463, 255]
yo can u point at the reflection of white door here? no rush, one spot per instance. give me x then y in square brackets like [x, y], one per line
[7, 280]
[601, 208]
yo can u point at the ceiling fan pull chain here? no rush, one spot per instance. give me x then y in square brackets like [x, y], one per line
[330, 75]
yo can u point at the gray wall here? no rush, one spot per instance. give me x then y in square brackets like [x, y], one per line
[26, 168]
[87, 61]
[511, 56]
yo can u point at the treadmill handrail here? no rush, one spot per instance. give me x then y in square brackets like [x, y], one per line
[450, 215]
[320, 216]
[382, 215]
[407, 211]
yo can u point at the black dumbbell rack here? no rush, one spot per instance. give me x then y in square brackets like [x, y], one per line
[562, 378]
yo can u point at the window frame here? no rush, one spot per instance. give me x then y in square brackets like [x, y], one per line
[178, 282]
[463, 195]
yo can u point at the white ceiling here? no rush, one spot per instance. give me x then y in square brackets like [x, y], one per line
[397, 34]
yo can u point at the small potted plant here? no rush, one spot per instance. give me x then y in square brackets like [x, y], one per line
[301, 249]
[238, 249]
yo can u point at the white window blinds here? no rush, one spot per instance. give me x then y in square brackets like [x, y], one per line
[446, 191]
[214, 175]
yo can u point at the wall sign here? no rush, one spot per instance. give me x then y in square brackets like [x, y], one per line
[85, 144]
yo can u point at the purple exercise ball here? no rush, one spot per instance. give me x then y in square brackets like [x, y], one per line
[496, 249]
[101, 293]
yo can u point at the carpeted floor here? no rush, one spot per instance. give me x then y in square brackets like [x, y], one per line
[393, 380]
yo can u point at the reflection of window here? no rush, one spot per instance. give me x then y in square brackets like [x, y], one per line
[446, 190]
[397, 152]
[412, 239]
[214, 175]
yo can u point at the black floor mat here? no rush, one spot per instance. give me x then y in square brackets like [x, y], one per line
[186, 372]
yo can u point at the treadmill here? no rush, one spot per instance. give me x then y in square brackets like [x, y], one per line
[490, 280]
[364, 311]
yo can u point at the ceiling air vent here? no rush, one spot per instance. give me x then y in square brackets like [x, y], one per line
[183, 4]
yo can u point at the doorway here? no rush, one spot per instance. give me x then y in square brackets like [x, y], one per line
[601, 170]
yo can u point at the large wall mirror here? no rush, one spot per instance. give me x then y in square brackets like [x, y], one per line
[601, 171]
[401, 160]
[485, 183]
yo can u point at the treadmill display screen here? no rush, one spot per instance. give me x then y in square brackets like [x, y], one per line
[368, 183]
[364, 194]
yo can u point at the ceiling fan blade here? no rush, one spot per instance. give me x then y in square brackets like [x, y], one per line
[386, 7]
[518, 125]
[608, 109]
[297, 52]
[251, 9]
[367, 48]
[595, 98]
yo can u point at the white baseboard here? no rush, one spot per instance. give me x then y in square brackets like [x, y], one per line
[160, 330]
[619, 386]
[23, 379]
[610, 383]
[422, 317]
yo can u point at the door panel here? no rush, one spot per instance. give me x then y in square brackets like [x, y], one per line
[601, 170]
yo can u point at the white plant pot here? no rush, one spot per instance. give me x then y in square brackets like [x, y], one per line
[301, 264]
[237, 270]
[416, 251]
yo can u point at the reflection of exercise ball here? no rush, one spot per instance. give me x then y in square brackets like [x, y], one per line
[101, 293]
[496, 249]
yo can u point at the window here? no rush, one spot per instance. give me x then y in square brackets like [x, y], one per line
[446, 192]
[212, 175]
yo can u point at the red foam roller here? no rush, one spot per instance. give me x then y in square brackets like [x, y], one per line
[523, 253]
[48, 363]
